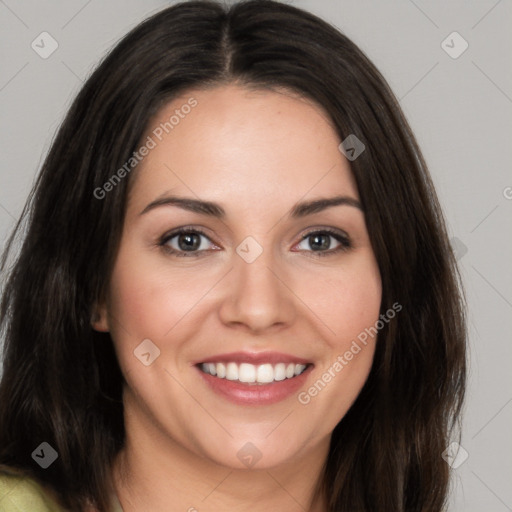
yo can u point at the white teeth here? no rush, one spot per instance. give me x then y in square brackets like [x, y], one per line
[247, 373]
[250, 373]
[280, 371]
[265, 373]
[221, 370]
[299, 368]
[232, 371]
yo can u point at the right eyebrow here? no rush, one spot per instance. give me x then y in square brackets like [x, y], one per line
[187, 203]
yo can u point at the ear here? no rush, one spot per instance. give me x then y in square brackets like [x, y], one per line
[99, 320]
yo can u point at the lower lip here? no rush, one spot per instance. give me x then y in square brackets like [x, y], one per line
[256, 394]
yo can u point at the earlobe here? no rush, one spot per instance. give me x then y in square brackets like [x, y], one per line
[99, 321]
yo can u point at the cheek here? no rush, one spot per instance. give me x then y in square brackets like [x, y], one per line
[335, 385]
[348, 301]
[360, 303]
[148, 298]
[349, 306]
[141, 305]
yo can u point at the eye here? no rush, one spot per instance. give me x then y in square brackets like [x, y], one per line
[186, 242]
[193, 242]
[321, 242]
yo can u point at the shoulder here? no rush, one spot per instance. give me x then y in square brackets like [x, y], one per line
[22, 494]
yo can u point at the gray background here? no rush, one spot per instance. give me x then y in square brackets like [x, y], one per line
[460, 109]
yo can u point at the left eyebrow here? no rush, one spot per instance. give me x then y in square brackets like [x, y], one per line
[310, 207]
[212, 209]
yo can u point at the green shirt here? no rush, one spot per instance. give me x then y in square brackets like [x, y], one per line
[23, 494]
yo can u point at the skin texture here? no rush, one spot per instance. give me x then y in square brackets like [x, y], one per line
[256, 153]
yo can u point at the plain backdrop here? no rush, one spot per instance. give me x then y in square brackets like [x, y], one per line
[458, 101]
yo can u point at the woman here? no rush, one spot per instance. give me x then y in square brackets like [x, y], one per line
[235, 289]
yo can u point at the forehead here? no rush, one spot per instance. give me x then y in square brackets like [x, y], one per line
[245, 146]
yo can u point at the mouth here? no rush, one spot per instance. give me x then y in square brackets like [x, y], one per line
[254, 379]
[248, 373]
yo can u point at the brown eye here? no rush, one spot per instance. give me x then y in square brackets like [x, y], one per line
[324, 242]
[185, 241]
[188, 241]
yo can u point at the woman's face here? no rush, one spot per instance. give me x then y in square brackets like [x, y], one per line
[263, 286]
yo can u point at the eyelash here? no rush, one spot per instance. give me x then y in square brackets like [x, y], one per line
[344, 241]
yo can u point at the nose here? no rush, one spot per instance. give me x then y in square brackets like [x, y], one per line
[257, 297]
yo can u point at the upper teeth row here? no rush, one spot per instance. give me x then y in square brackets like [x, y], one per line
[246, 372]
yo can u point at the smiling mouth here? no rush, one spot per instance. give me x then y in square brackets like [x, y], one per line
[247, 373]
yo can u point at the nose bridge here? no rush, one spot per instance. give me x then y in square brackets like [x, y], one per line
[256, 296]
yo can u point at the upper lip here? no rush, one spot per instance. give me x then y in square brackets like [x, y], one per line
[254, 358]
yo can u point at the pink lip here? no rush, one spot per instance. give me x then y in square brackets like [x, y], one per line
[253, 358]
[255, 394]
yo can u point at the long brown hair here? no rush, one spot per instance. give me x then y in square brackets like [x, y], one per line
[61, 381]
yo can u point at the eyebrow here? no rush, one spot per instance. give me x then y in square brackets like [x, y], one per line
[209, 208]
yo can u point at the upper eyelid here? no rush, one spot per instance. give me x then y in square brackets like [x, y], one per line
[331, 231]
[178, 231]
